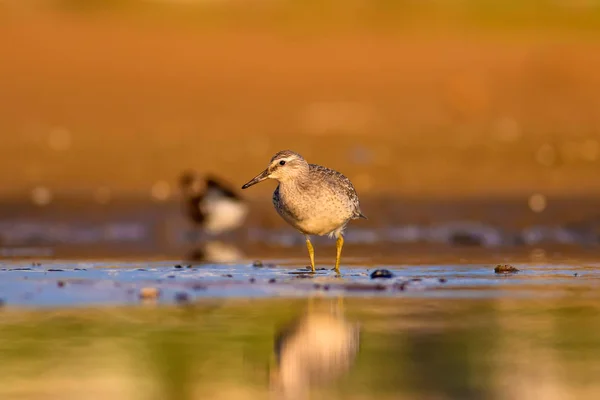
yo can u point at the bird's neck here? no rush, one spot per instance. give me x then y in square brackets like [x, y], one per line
[297, 184]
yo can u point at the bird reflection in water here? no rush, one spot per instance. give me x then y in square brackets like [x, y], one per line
[313, 351]
[216, 251]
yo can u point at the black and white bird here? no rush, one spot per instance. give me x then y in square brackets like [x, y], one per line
[211, 204]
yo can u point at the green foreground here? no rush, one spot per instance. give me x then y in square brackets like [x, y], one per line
[409, 348]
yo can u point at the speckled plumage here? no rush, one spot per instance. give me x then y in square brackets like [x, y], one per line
[313, 199]
[319, 203]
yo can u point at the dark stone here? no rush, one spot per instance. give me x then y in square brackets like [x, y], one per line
[381, 274]
[443, 280]
[252, 280]
[227, 276]
[505, 269]
[55, 270]
[257, 264]
[178, 266]
[60, 283]
[20, 269]
[272, 280]
[182, 298]
[326, 287]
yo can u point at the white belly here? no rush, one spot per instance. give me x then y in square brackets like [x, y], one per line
[223, 215]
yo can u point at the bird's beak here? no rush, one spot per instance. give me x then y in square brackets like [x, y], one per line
[258, 178]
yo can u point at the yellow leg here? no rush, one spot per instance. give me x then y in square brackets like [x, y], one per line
[311, 253]
[339, 243]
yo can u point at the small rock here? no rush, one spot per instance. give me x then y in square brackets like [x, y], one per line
[149, 293]
[575, 274]
[60, 283]
[257, 264]
[141, 269]
[505, 269]
[182, 298]
[80, 269]
[317, 285]
[55, 270]
[20, 269]
[381, 274]
[227, 276]
[188, 266]
[171, 276]
[198, 286]
[443, 280]
[416, 280]
[326, 287]
[252, 280]
[178, 266]
[272, 280]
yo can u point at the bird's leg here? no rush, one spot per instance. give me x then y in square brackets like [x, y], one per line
[339, 243]
[311, 253]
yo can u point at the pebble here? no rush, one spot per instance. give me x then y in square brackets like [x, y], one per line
[149, 293]
[60, 283]
[505, 269]
[182, 298]
[381, 274]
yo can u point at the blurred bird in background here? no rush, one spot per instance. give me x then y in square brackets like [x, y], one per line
[211, 205]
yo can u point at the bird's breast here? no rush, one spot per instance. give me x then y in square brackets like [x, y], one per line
[311, 213]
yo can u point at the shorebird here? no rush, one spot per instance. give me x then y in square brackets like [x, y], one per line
[211, 204]
[313, 199]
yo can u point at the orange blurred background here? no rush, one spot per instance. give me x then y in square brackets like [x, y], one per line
[104, 99]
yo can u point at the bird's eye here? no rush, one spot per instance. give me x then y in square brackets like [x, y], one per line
[282, 162]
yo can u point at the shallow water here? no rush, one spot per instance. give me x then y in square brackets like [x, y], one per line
[348, 348]
[73, 283]
[79, 329]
